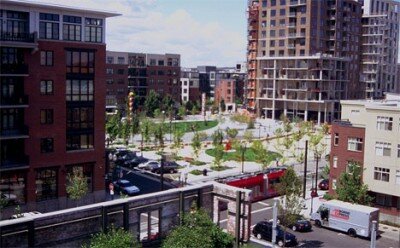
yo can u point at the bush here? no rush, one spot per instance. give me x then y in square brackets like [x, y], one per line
[196, 172]
[240, 118]
[219, 168]
[328, 197]
[197, 163]
[115, 237]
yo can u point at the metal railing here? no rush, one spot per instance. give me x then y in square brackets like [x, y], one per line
[19, 37]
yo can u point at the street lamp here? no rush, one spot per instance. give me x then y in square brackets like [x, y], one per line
[243, 148]
[316, 155]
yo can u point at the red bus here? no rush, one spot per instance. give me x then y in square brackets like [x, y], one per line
[263, 185]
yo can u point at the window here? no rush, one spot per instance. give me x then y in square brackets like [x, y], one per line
[273, 12]
[14, 183]
[80, 61]
[273, 2]
[334, 182]
[46, 184]
[271, 43]
[384, 123]
[303, 20]
[109, 71]
[384, 200]
[46, 58]
[273, 23]
[46, 87]
[382, 149]
[282, 12]
[109, 81]
[281, 32]
[49, 26]
[281, 43]
[85, 170]
[80, 118]
[79, 141]
[121, 60]
[283, 2]
[79, 90]
[272, 33]
[161, 62]
[397, 180]
[381, 174]
[335, 161]
[46, 145]
[46, 116]
[110, 60]
[336, 139]
[153, 62]
[72, 28]
[354, 144]
[93, 30]
[121, 71]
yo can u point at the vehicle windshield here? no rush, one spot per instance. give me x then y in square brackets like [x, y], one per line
[126, 184]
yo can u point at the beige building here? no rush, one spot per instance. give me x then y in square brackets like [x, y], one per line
[381, 120]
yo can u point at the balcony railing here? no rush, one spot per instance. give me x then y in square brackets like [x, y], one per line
[17, 131]
[20, 161]
[18, 37]
[14, 69]
[15, 100]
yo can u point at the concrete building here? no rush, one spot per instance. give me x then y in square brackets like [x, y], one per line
[300, 55]
[190, 84]
[117, 81]
[52, 106]
[380, 148]
[380, 47]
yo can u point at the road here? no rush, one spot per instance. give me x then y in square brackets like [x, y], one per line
[318, 237]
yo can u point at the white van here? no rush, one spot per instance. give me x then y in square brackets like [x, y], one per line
[347, 217]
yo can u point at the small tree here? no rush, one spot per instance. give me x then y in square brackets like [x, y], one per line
[248, 136]
[222, 105]
[77, 186]
[178, 135]
[182, 111]
[145, 130]
[350, 187]
[231, 133]
[189, 106]
[217, 137]
[115, 237]
[198, 137]
[219, 155]
[261, 154]
[125, 131]
[152, 103]
[113, 127]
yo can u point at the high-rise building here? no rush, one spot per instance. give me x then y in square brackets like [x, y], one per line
[380, 46]
[52, 101]
[303, 57]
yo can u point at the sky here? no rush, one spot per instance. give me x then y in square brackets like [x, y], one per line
[204, 32]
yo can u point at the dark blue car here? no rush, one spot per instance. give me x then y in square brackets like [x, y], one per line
[263, 230]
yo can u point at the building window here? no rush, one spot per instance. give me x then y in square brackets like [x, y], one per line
[80, 118]
[79, 90]
[109, 71]
[80, 62]
[335, 161]
[13, 184]
[121, 60]
[79, 141]
[384, 123]
[93, 30]
[110, 60]
[46, 145]
[46, 87]
[382, 149]
[46, 58]
[381, 174]
[354, 144]
[46, 184]
[281, 43]
[282, 12]
[153, 62]
[120, 71]
[273, 12]
[397, 180]
[84, 170]
[384, 200]
[109, 81]
[72, 28]
[46, 116]
[336, 139]
[49, 26]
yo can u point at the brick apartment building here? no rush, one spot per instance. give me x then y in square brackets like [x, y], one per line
[371, 136]
[300, 55]
[52, 106]
[141, 73]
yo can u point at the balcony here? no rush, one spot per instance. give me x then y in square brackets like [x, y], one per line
[17, 162]
[292, 14]
[27, 40]
[14, 101]
[14, 70]
[297, 2]
[15, 133]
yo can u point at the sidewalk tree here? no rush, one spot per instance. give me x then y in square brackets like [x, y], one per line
[182, 111]
[198, 231]
[350, 187]
[178, 141]
[115, 237]
[152, 103]
[198, 137]
[189, 106]
[146, 130]
[231, 133]
[219, 155]
[113, 126]
[77, 186]
[248, 136]
[217, 137]
[261, 153]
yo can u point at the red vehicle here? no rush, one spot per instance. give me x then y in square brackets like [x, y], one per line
[263, 185]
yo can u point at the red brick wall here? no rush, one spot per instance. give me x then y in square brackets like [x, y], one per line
[60, 157]
[221, 91]
[341, 151]
[167, 87]
[117, 84]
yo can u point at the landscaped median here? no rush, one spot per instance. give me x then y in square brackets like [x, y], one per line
[189, 126]
[249, 155]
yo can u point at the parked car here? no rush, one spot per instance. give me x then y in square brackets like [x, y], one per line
[324, 184]
[126, 187]
[25, 215]
[135, 162]
[10, 199]
[301, 224]
[263, 230]
[150, 165]
[168, 167]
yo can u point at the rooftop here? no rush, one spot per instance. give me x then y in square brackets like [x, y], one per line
[392, 101]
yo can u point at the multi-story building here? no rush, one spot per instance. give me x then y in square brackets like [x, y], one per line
[397, 85]
[380, 46]
[52, 101]
[225, 90]
[207, 80]
[190, 85]
[230, 84]
[380, 149]
[300, 55]
[137, 77]
[117, 81]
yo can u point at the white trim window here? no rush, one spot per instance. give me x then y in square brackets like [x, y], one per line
[383, 149]
[335, 139]
[381, 174]
[398, 150]
[354, 144]
[335, 161]
[397, 178]
[384, 123]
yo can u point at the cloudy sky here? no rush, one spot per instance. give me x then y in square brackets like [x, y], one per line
[204, 32]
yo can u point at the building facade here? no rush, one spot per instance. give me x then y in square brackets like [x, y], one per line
[380, 148]
[300, 55]
[190, 85]
[52, 106]
[380, 47]
[117, 81]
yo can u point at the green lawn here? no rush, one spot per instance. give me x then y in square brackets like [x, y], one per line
[187, 126]
[249, 155]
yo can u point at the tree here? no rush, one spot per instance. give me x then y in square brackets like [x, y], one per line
[115, 237]
[158, 133]
[152, 103]
[178, 135]
[291, 202]
[248, 136]
[198, 231]
[222, 105]
[261, 154]
[217, 137]
[113, 126]
[145, 130]
[231, 133]
[350, 187]
[125, 131]
[189, 106]
[219, 155]
[167, 103]
[196, 143]
[182, 111]
[77, 186]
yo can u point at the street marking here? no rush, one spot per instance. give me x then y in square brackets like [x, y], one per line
[260, 210]
[261, 242]
[263, 203]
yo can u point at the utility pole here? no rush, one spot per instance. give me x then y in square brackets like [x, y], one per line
[316, 172]
[274, 222]
[305, 170]
[373, 234]
[162, 172]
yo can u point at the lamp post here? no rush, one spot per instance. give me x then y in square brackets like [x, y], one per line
[316, 171]
[312, 195]
[243, 148]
